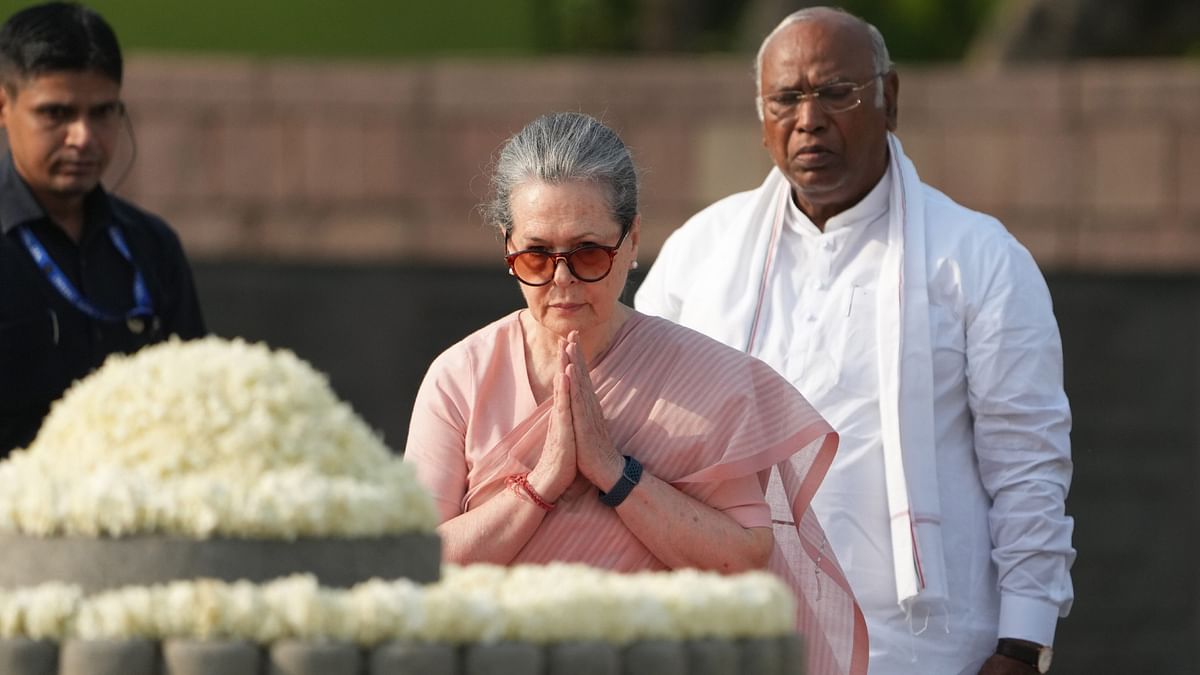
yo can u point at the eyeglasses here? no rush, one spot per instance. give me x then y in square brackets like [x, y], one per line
[588, 263]
[833, 98]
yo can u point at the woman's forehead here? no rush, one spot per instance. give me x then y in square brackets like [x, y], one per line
[563, 211]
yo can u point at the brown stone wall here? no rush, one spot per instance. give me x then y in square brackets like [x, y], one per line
[1094, 166]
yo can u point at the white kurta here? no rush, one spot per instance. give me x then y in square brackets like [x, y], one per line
[1001, 419]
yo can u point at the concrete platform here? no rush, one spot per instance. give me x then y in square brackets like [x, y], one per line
[107, 563]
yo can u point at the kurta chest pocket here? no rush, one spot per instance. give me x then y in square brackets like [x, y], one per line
[949, 343]
[26, 348]
[855, 344]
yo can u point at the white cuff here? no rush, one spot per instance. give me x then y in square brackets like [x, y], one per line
[1027, 619]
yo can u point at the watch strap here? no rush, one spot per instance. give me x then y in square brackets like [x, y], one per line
[1037, 657]
[630, 475]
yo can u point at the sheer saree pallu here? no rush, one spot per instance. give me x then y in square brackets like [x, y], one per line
[697, 414]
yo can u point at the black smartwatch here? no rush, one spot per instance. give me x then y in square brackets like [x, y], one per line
[630, 475]
[1037, 656]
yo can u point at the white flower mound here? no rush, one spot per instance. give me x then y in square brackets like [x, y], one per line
[203, 438]
[475, 604]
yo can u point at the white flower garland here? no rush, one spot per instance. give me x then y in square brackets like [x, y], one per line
[475, 604]
[209, 437]
[46, 612]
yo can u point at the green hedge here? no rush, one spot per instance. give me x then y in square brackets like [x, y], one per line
[386, 29]
[319, 28]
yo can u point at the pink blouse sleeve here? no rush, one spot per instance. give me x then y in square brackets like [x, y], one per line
[437, 434]
[742, 499]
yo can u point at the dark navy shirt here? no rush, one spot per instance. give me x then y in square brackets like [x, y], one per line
[45, 342]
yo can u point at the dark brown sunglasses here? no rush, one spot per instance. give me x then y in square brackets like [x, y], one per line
[588, 263]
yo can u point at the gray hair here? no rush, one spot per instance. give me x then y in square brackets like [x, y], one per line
[560, 148]
[879, 51]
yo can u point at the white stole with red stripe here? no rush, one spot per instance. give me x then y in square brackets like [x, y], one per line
[906, 394]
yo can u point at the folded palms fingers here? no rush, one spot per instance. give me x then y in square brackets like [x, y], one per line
[586, 414]
[562, 431]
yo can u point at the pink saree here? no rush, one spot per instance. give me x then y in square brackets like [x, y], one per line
[715, 423]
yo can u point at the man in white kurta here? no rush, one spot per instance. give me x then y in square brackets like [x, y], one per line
[923, 331]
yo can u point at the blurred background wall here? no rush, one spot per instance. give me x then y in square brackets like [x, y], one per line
[322, 162]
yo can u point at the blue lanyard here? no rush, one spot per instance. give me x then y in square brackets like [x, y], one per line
[143, 305]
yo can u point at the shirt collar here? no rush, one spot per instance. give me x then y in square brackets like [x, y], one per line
[19, 207]
[866, 210]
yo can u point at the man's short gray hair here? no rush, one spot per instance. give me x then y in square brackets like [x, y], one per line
[879, 51]
[560, 148]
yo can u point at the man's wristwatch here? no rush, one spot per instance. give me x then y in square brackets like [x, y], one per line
[1037, 656]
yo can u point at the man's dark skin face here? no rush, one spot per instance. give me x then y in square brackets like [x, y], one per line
[62, 127]
[832, 160]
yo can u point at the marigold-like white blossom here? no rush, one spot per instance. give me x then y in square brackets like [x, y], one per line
[209, 437]
[475, 604]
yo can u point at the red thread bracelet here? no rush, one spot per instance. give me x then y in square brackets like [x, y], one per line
[519, 483]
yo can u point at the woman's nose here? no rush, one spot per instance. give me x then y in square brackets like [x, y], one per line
[562, 273]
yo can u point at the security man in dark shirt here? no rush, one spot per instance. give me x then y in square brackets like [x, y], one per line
[83, 273]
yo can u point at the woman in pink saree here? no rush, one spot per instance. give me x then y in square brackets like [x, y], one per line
[580, 430]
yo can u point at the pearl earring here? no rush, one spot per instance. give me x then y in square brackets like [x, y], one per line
[634, 266]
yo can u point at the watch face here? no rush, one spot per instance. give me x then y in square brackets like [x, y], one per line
[1045, 654]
